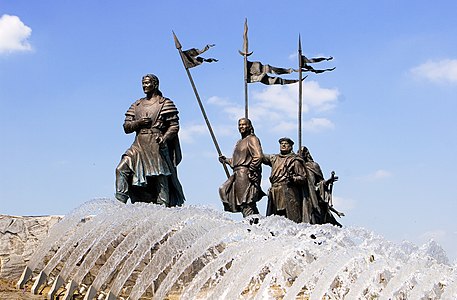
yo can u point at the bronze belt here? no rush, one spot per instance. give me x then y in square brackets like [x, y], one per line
[149, 131]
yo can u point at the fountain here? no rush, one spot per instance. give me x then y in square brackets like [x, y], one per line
[108, 250]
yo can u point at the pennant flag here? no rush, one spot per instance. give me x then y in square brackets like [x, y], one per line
[306, 60]
[307, 68]
[257, 72]
[270, 80]
[191, 58]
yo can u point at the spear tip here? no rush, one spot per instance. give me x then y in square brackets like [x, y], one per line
[177, 43]
[299, 43]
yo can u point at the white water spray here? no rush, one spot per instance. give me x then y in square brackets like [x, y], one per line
[108, 250]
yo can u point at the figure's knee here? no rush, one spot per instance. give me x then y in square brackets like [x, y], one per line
[122, 185]
[123, 167]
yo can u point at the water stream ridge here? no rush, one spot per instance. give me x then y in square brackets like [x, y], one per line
[108, 250]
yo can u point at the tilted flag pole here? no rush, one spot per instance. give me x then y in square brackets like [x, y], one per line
[245, 54]
[189, 59]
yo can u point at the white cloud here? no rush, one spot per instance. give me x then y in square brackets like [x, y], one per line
[276, 107]
[377, 175]
[319, 98]
[224, 130]
[285, 127]
[219, 101]
[317, 125]
[277, 98]
[293, 56]
[443, 71]
[233, 110]
[284, 98]
[190, 132]
[343, 205]
[14, 35]
[380, 174]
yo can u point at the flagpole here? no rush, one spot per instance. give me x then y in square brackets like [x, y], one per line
[245, 54]
[300, 93]
[213, 137]
[246, 106]
[311, 190]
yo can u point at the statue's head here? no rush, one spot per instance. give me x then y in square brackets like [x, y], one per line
[150, 83]
[305, 154]
[285, 145]
[245, 126]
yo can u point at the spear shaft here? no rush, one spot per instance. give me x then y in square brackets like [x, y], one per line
[200, 104]
[300, 93]
[246, 109]
[245, 54]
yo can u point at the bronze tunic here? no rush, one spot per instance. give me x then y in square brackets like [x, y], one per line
[285, 195]
[243, 187]
[310, 213]
[146, 158]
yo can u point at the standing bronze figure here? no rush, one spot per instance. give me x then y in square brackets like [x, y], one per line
[242, 190]
[147, 171]
[287, 178]
[317, 205]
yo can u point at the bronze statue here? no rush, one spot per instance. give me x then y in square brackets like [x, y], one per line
[147, 171]
[287, 178]
[242, 190]
[317, 205]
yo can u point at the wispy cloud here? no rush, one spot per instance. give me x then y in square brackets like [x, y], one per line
[318, 125]
[377, 175]
[276, 107]
[285, 98]
[188, 133]
[343, 205]
[443, 71]
[14, 35]
[234, 111]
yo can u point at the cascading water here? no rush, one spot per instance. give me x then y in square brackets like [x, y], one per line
[108, 250]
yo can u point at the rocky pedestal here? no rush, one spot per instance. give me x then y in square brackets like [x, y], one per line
[19, 237]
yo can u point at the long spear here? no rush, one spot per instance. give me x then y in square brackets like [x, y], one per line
[311, 190]
[300, 96]
[213, 137]
[245, 53]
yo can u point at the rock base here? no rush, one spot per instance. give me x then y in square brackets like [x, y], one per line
[19, 238]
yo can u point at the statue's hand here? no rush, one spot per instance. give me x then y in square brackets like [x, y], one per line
[145, 122]
[160, 140]
[298, 179]
[253, 176]
[222, 159]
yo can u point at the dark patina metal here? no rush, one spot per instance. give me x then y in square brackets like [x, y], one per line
[147, 171]
[287, 178]
[242, 190]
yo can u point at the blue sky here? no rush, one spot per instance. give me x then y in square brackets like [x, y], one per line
[384, 120]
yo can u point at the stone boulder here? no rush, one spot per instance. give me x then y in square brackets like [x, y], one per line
[19, 238]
